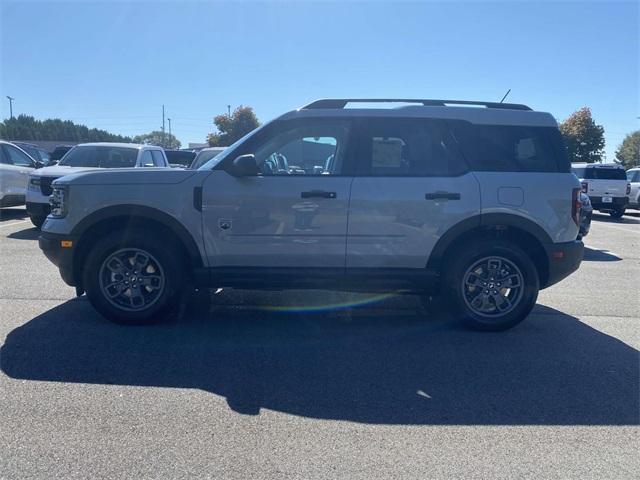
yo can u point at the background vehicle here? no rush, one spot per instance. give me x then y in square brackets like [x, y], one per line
[586, 212]
[40, 155]
[87, 156]
[478, 203]
[15, 167]
[606, 184]
[633, 177]
[58, 153]
[205, 155]
[180, 158]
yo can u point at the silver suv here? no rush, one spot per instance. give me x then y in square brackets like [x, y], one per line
[473, 199]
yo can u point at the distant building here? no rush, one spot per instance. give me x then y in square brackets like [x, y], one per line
[196, 146]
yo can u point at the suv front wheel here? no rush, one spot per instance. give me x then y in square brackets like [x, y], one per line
[492, 285]
[132, 278]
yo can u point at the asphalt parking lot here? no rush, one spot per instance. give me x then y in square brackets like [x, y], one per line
[320, 384]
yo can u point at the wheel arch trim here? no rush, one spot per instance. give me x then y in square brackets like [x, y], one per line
[143, 213]
[484, 220]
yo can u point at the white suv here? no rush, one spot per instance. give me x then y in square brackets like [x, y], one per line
[606, 184]
[15, 167]
[633, 176]
[474, 199]
[85, 157]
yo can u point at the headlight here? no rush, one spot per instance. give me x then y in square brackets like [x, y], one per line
[34, 183]
[59, 201]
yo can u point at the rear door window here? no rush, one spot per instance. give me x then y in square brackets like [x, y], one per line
[500, 148]
[158, 158]
[395, 147]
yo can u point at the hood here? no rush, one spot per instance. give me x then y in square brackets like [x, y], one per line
[129, 176]
[60, 171]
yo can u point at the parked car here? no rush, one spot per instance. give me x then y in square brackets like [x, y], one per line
[478, 203]
[15, 167]
[58, 153]
[180, 158]
[205, 155]
[586, 212]
[40, 155]
[83, 157]
[606, 184]
[633, 177]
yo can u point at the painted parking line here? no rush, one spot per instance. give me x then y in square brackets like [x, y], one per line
[14, 223]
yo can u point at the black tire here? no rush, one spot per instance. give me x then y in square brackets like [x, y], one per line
[617, 213]
[163, 260]
[37, 220]
[460, 267]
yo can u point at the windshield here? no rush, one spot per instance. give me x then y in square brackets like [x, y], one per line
[100, 157]
[203, 157]
[229, 151]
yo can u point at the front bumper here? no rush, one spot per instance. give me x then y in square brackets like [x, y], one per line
[564, 259]
[38, 209]
[61, 257]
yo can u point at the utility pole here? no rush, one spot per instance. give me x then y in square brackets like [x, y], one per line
[11, 99]
[163, 139]
[229, 111]
[169, 120]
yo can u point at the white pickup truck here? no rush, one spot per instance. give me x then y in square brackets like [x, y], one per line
[606, 184]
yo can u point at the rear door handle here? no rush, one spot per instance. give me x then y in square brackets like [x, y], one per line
[318, 194]
[442, 196]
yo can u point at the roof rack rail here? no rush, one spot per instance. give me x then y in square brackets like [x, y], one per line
[333, 103]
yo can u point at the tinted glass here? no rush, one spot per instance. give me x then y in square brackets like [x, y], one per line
[633, 176]
[498, 148]
[179, 157]
[101, 157]
[146, 159]
[595, 173]
[408, 147]
[158, 159]
[203, 157]
[579, 172]
[59, 152]
[304, 148]
[16, 157]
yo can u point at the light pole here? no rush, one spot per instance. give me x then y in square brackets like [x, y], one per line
[229, 111]
[11, 99]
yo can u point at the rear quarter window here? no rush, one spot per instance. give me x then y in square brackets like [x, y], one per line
[501, 148]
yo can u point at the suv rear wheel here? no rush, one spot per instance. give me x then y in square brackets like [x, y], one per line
[492, 285]
[37, 220]
[132, 278]
[618, 212]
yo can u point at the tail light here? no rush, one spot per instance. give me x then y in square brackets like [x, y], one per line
[585, 186]
[628, 188]
[576, 205]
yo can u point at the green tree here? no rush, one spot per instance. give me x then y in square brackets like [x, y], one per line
[156, 137]
[233, 127]
[584, 139]
[25, 127]
[628, 153]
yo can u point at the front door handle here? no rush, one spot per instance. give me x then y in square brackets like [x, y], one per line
[442, 196]
[318, 194]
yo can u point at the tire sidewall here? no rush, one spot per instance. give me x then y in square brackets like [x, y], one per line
[464, 258]
[162, 253]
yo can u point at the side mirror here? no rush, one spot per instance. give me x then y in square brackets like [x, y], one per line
[244, 166]
[38, 164]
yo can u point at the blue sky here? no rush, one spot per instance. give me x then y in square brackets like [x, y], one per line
[112, 65]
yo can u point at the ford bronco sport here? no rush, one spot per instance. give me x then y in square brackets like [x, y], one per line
[474, 199]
